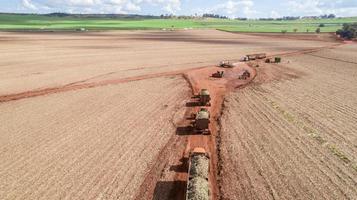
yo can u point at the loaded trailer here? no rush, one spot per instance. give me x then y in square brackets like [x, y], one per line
[275, 60]
[203, 97]
[198, 187]
[202, 121]
[226, 64]
[254, 56]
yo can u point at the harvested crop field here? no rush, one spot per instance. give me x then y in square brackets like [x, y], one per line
[294, 137]
[95, 143]
[97, 115]
[31, 61]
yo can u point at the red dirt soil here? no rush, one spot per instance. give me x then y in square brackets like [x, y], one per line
[198, 79]
[78, 86]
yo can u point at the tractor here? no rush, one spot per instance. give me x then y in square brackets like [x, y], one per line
[218, 74]
[245, 75]
[202, 121]
[226, 64]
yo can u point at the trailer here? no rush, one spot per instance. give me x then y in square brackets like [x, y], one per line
[226, 64]
[198, 187]
[275, 60]
[202, 121]
[255, 56]
[204, 97]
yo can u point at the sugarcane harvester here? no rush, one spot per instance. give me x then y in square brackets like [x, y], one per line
[198, 187]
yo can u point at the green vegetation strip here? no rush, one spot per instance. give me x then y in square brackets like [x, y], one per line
[312, 133]
[40, 22]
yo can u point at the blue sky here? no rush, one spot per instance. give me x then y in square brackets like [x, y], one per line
[231, 8]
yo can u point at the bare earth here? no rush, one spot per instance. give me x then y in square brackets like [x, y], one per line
[88, 144]
[96, 115]
[294, 138]
[31, 61]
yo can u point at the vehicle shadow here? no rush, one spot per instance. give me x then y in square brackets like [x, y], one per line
[172, 190]
[185, 130]
[183, 167]
[193, 104]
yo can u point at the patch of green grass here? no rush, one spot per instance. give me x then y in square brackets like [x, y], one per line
[38, 22]
[311, 132]
[338, 153]
[354, 166]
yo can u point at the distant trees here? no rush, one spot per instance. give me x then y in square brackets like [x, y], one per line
[58, 14]
[348, 31]
[321, 25]
[241, 18]
[330, 16]
[295, 30]
[208, 15]
[267, 19]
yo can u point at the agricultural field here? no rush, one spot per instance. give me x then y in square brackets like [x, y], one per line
[97, 115]
[38, 22]
[292, 136]
[58, 59]
[96, 143]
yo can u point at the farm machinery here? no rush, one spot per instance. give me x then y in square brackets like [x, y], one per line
[254, 56]
[226, 64]
[275, 60]
[218, 74]
[245, 75]
[202, 121]
[198, 187]
[204, 97]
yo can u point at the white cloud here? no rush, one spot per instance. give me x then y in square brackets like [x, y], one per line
[28, 5]
[320, 7]
[230, 8]
[132, 7]
[274, 14]
[104, 6]
[170, 6]
[235, 8]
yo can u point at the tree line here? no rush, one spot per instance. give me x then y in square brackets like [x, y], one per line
[348, 31]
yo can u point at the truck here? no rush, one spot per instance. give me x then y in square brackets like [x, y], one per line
[226, 64]
[204, 97]
[218, 74]
[198, 187]
[202, 121]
